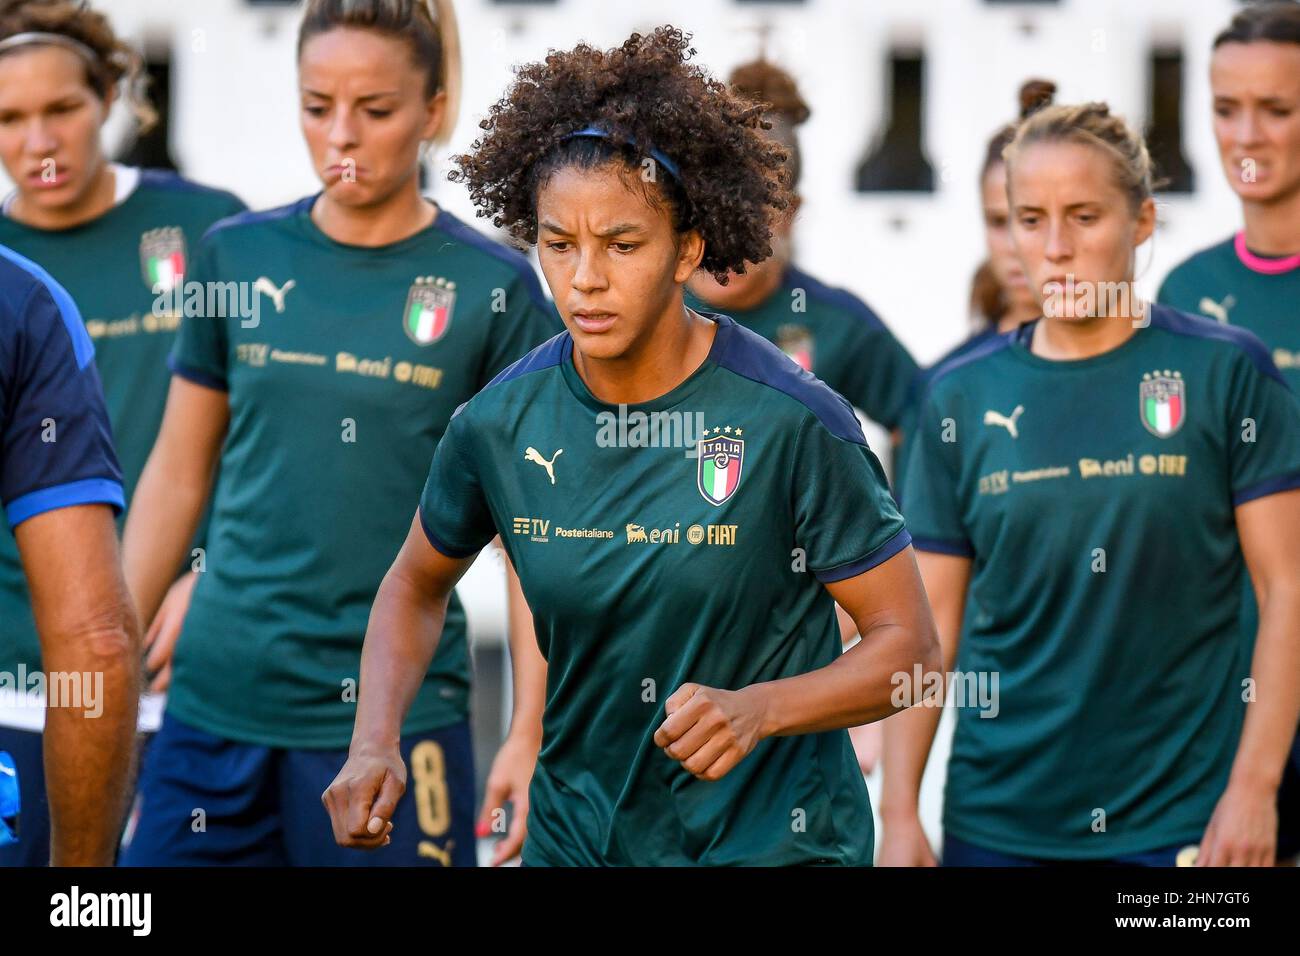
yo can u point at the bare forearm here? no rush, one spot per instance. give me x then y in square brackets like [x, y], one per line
[857, 688]
[1272, 716]
[165, 512]
[528, 665]
[401, 637]
[905, 750]
[93, 683]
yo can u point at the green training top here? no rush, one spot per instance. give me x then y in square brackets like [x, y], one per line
[836, 336]
[339, 391]
[685, 539]
[1235, 286]
[1095, 498]
[1229, 283]
[110, 266]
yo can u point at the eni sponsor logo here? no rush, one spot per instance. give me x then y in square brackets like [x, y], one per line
[425, 376]
[1284, 359]
[132, 325]
[637, 534]
[1174, 465]
[719, 534]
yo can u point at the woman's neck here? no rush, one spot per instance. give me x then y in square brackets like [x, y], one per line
[399, 217]
[1071, 339]
[678, 345]
[1273, 229]
[93, 203]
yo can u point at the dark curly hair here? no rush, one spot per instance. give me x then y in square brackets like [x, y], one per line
[646, 97]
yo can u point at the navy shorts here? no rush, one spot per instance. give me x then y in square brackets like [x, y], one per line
[208, 801]
[960, 853]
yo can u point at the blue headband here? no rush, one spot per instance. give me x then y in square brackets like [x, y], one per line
[598, 133]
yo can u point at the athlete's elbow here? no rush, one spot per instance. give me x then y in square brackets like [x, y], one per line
[920, 649]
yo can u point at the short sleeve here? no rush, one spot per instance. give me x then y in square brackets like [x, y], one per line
[880, 375]
[845, 520]
[453, 508]
[200, 353]
[56, 444]
[1264, 431]
[527, 321]
[930, 490]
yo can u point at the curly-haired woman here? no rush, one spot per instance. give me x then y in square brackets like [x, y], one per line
[683, 596]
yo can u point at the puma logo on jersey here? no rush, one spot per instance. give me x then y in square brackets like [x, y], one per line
[1217, 310]
[265, 285]
[1008, 422]
[533, 455]
[429, 850]
[8, 771]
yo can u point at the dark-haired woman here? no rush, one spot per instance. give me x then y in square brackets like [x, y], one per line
[683, 591]
[1252, 279]
[115, 237]
[1136, 453]
[379, 314]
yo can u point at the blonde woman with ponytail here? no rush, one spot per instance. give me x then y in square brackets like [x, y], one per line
[378, 314]
[113, 236]
[1146, 461]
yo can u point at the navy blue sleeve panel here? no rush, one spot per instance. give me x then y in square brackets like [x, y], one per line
[56, 445]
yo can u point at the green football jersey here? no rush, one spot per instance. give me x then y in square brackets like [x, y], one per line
[1095, 498]
[685, 539]
[339, 390]
[1235, 286]
[110, 266]
[838, 338]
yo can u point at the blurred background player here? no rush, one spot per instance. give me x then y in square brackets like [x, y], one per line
[1000, 297]
[380, 313]
[827, 331]
[1105, 442]
[113, 236]
[1252, 279]
[696, 686]
[60, 485]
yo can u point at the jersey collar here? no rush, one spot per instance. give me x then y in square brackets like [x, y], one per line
[1261, 264]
